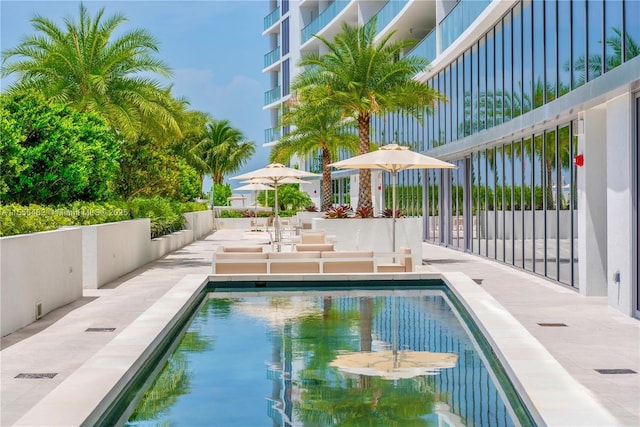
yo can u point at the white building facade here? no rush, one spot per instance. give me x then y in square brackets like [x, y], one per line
[542, 119]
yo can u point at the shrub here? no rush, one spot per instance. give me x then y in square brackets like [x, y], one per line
[311, 208]
[342, 211]
[364, 212]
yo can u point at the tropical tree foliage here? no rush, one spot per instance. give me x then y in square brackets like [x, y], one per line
[222, 150]
[315, 129]
[360, 78]
[53, 154]
[149, 168]
[85, 64]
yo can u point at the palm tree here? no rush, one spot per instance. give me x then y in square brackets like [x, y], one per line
[360, 78]
[316, 129]
[223, 150]
[86, 66]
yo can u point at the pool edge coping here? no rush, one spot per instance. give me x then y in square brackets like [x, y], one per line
[83, 397]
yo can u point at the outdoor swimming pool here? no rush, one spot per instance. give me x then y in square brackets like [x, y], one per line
[321, 358]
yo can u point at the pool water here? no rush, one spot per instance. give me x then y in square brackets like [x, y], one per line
[313, 359]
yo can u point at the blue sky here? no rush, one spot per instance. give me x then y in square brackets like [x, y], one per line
[214, 47]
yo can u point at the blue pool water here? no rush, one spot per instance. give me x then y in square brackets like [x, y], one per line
[305, 359]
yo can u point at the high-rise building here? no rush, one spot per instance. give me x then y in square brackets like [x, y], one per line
[542, 119]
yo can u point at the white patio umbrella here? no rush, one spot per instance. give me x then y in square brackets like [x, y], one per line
[392, 158]
[255, 187]
[275, 174]
[393, 365]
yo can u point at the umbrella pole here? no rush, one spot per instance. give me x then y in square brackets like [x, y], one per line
[276, 221]
[393, 203]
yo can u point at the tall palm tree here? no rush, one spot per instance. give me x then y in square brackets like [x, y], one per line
[223, 150]
[361, 77]
[85, 65]
[316, 129]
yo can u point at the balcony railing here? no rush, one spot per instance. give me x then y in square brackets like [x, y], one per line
[271, 57]
[387, 13]
[323, 19]
[272, 134]
[426, 48]
[459, 19]
[272, 95]
[271, 18]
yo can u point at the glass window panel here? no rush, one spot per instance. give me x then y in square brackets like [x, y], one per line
[442, 109]
[482, 84]
[527, 56]
[467, 93]
[455, 237]
[491, 76]
[508, 66]
[497, 90]
[474, 88]
[475, 202]
[631, 28]
[563, 205]
[518, 204]
[436, 116]
[551, 193]
[579, 44]
[453, 100]
[538, 37]
[538, 170]
[564, 47]
[494, 165]
[613, 28]
[460, 105]
[516, 91]
[507, 204]
[527, 194]
[551, 49]
[447, 105]
[595, 47]
[483, 185]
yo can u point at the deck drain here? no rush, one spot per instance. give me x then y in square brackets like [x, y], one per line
[37, 376]
[615, 371]
[553, 325]
[100, 329]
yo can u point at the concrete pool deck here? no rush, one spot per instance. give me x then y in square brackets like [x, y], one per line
[596, 337]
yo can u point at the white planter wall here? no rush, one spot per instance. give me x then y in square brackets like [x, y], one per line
[43, 268]
[52, 267]
[114, 249]
[374, 233]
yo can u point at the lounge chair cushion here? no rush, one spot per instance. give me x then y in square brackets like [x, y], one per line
[235, 249]
[303, 247]
[348, 266]
[282, 262]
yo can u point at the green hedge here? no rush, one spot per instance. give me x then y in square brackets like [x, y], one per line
[166, 215]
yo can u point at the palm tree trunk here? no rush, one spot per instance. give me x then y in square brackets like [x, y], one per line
[327, 192]
[364, 187]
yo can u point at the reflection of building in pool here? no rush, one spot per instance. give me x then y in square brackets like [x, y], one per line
[537, 91]
[454, 396]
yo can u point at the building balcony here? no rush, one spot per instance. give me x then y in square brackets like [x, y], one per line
[272, 95]
[271, 135]
[459, 19]
[323, 19]
[387, 13]
[427, 48]
[271, 18]
[272, 57]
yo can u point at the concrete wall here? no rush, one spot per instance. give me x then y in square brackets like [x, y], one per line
[52, 267]
[201, 223]
[619, 204]
[374, 233]
[114, 249]
[36, 268]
